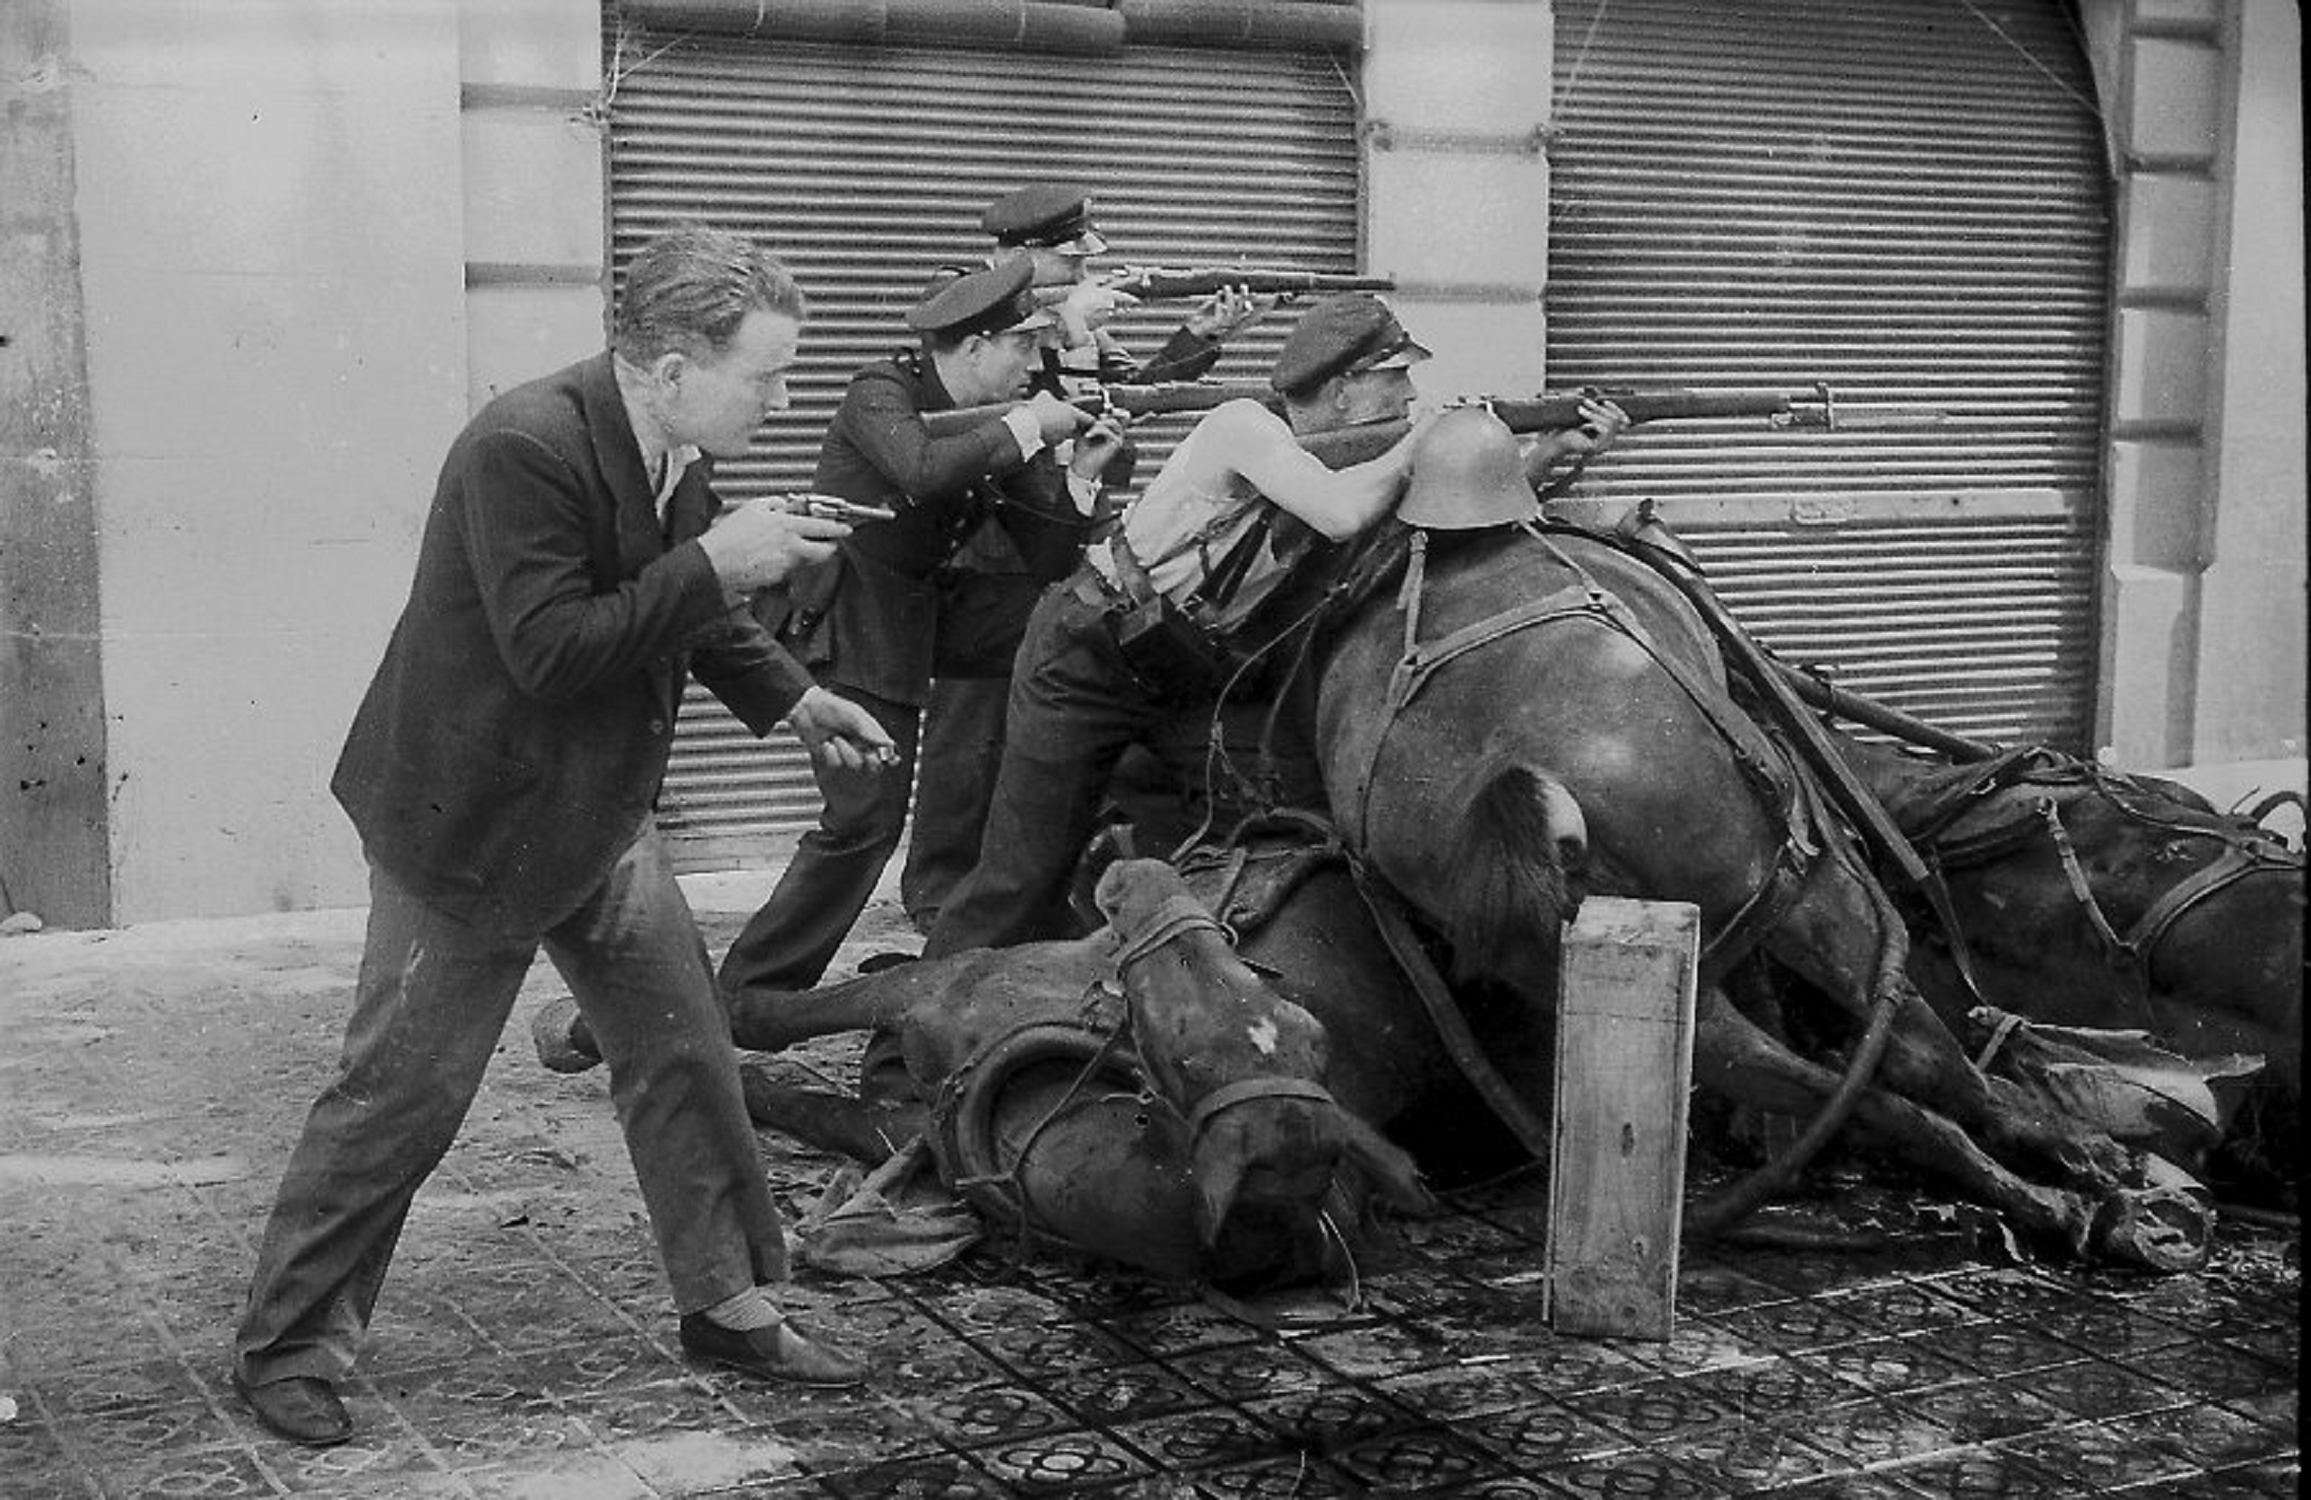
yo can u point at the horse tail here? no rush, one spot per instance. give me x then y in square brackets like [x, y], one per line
[1511, 887]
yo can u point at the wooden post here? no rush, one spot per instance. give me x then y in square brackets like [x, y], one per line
[1624, 1068]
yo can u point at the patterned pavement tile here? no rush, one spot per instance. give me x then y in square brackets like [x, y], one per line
[2096, 1455]
[1247, 1372]
[937, 1477]
[382, 1458]
[1752, 1458]
[1773, 1391]
[2000, 1348]
[225, 1473]
[1418, 1461]
[1633, 1475]
[1790, 1327]
[1298, 1476]
[1542, 1435]
[1654, 1412]
[595, 1475]
[995, 1413]
[1179, 1328]
[1044, 1349]
[1059, 1462]
[1901, 1308]
[1885, 1367]
[1205, 1438]
[1876, 1432]
[2100, 1391]
[2212, 1437]
[1979, 1474]
[1982, 1411]
[1122, 1393]
[1378, 1350]
[1457, 1392]
[2217, 1371]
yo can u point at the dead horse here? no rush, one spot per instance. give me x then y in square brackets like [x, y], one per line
[1138, 1095]
[1534, 714]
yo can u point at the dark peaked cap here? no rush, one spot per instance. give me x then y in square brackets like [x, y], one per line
[1047, 215]
[1353, 331]
[994, 299]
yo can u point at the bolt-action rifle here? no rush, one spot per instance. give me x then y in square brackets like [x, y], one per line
[1149, 400]
[1815, 407]
[1156, 283]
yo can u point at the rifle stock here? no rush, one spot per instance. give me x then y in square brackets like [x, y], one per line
[1156, 283]
[1157, 399]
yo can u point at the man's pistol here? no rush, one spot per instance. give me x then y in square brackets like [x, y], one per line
[835, 508]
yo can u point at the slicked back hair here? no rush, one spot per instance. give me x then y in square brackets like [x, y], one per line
[689, 289]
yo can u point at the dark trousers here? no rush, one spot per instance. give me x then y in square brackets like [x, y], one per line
[788, 943]
[962, 749]
[433, 996]
[1075, 708]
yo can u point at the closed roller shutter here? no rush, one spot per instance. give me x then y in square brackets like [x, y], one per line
[1906, 200]
[867, 168]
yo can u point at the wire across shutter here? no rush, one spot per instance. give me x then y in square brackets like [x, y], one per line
[866, 169]
[1906, 200]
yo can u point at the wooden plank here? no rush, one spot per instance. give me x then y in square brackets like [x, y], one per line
[1624, 1068]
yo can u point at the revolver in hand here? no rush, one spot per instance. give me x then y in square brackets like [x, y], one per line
[835, 508]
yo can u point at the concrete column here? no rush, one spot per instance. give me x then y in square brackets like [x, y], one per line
[1456, 98]
[535, 187]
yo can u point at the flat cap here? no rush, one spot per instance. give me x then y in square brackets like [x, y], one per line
[1047, 216]
[993, 299]
[1349, 333]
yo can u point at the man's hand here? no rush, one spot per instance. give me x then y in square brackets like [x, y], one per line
[1087, 305]
[1057, 420]
[757, 543]
[1601, 423]
[1096, 447]
[1228, 309]
[839, 733]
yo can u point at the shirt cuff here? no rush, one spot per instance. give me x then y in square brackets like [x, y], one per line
[1025, 428]
[1084, 491]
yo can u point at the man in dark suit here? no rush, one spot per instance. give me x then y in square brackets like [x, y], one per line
[501, 770]
[891, 613]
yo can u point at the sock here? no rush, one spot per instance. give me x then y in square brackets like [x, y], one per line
[745, 1312]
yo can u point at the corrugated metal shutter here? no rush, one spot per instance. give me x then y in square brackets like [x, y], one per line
[1906, 200]
[867, 168]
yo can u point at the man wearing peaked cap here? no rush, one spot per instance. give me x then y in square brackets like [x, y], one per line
[1209, 542]
[1046, 227]
[891, 612]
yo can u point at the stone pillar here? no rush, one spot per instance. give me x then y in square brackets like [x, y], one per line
[1456, 98]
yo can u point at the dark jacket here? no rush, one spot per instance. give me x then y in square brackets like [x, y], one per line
[882, 617]
[515, 734]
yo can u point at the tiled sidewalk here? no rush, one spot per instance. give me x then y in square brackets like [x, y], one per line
[151, 1082]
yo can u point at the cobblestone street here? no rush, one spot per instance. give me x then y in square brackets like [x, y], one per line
[152, 1079]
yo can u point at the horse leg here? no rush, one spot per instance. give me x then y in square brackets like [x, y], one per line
[1844, 937]
[773, 1020]
[1736, 1059]
[867, 1131]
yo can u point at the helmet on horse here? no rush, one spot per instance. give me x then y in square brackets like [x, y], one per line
[1467, 473]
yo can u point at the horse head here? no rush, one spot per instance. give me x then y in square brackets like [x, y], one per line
[1242, 1065]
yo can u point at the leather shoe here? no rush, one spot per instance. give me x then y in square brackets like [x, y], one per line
[564, 1043]
[302, 1408]
[780, 1351]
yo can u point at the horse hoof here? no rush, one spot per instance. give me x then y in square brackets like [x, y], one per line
[2159, 1229]
[562, 1044]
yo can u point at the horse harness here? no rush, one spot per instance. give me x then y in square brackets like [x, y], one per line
[2247, 851]
[963, 1112]
[1586, 599]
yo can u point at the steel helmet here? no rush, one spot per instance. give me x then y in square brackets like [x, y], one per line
[1467, 473]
